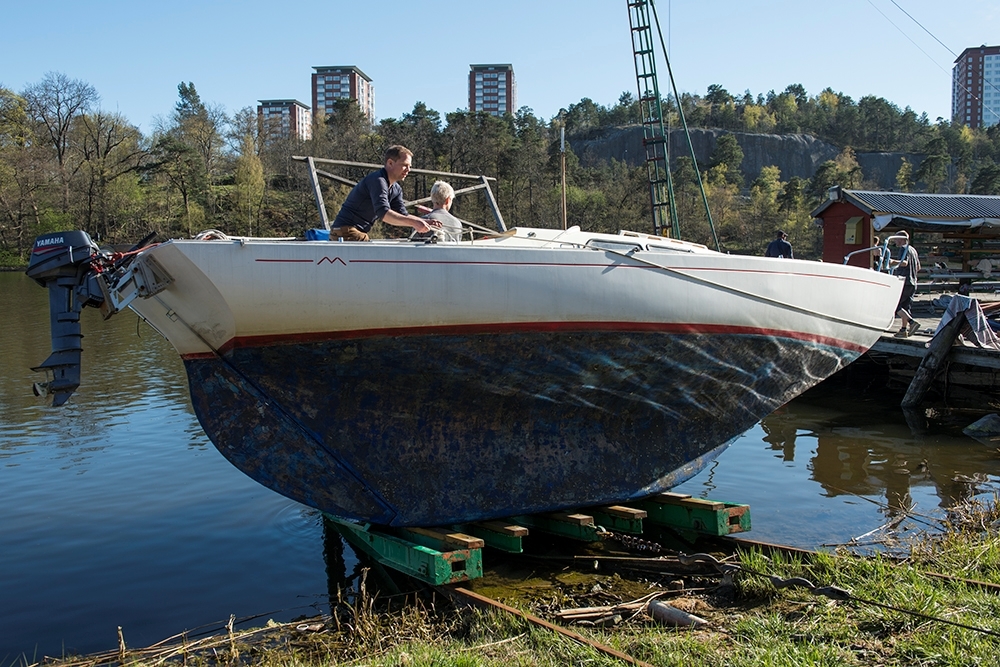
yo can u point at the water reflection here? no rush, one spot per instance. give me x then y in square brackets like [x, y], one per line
[833, 464]
[118, 510]
[780, 434]
[878, 453]
[364, 570]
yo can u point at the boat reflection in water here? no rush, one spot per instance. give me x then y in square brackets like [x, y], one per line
[839, 462]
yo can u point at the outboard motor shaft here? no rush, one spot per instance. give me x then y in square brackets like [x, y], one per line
[61, 262]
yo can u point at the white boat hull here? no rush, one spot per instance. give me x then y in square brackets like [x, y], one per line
[411, 383]
[423, 384]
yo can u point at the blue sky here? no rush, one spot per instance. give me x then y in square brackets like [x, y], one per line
[136, 53]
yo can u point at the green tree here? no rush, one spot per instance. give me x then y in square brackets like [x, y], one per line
[183, 168]
[249, 181]
[879, 119]
[763, 212]
[527, 186]
[583, 117]
[716, 95]
[757, 118]
[987, 181]
[420, 131]
[792, 196]
[786, 112]
[690, 205]
[626, 111]
[728, 156]
[108, 149]
[200, 126]
[843, 170]
[15, 130]
[933, 171]
[726, 205]
[904, 177]
[798, 93]
[346, 134]
[22, 169]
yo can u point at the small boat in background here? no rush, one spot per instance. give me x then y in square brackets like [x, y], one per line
[426, 383]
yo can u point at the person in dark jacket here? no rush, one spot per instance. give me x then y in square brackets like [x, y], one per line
[378, 196]
[780, 247]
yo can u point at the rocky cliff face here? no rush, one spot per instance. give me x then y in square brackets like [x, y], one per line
[794, 154]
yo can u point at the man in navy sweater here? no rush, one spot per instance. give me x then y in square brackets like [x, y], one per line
[779, 247]
[378, 196]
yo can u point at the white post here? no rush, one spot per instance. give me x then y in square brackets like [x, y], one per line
[562, 154]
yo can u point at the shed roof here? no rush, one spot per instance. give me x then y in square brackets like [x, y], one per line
[918, 211]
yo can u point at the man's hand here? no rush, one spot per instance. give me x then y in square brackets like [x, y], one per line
[427, 224]
[399, 220]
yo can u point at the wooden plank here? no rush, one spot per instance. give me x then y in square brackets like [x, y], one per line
[620, 519]
[575, 519]
[485, 602]
[686, 501]
[709, 517]
[417, 560]
[502, 535]
[504, 528]
[574, 526]
[915, 346]
[457, 540]
[630, 513]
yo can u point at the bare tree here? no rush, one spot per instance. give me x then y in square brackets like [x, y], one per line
[54, 103]
[109, 149]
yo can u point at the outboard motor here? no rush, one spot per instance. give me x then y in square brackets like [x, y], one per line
[62, 261]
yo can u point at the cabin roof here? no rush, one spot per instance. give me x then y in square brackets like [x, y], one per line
[919, 211]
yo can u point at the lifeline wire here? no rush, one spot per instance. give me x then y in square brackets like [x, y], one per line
[960, 84]
[703, 281]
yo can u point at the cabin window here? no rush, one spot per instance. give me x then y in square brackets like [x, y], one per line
[660, 248]
[617, 246]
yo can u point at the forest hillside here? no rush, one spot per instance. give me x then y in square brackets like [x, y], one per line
[764, 161]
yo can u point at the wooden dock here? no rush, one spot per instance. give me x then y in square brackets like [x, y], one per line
[966, 364]
[915, 347]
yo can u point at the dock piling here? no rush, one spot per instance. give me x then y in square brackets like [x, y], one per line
[937, 352]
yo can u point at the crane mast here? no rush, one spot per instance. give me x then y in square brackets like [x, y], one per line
[654, 135]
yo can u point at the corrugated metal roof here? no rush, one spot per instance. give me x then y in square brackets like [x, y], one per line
[958, 207]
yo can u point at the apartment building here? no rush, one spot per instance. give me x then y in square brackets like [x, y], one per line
[975, 87]
[285, 119]
[492, 89]
[342, 82]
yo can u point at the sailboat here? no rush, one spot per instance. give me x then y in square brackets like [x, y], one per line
[408, 383]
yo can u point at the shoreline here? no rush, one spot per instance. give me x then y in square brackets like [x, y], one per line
[752, 601]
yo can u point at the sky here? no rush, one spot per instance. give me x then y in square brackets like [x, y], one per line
[136, 53]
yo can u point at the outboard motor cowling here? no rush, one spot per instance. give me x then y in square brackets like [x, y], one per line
[61, 262]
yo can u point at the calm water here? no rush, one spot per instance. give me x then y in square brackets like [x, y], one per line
[118, 511]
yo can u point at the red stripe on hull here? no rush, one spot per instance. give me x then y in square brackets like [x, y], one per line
[530, 327]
